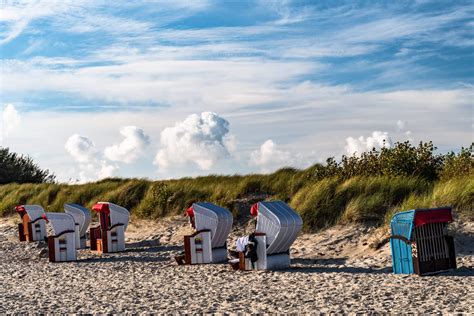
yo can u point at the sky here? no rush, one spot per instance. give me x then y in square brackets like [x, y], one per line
[166, 89]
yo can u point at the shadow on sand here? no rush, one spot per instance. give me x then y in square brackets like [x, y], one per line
[307, 265]
[149, 254]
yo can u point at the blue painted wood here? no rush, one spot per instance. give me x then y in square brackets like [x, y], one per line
[402, 225]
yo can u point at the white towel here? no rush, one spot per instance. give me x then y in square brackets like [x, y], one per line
[241, 243]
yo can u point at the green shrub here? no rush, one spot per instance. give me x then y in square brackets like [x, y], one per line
[21, 169]
[459, 165]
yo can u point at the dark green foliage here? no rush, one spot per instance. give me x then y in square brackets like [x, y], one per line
[21, 169]
[403, 159]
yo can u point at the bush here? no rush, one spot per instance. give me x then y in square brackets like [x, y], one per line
[403, 159]
[459, 165]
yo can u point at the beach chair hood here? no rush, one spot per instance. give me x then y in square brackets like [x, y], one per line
[117, 214]
[279, 222]
[34, 211]
[81, 216]
[403, 223]
[60, 222]
[215, 218]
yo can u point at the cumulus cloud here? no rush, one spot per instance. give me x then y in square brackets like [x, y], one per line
[10, 120]
[200, 139]
[81, 148]
[269, 158]
[356, 146]
[91, 167]
[130, 148]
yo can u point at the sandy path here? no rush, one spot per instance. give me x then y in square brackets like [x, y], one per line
[144, 279]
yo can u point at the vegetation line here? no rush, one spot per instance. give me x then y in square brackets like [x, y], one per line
[355, 189]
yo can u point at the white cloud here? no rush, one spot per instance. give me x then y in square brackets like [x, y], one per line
[199, 139]
[81, 148]
[130, 148]
[401, 125]
[10, 120]
[269, 158]
[91, 167]
[149, 78]
[106, 170]
[357, 146]
[97, 170]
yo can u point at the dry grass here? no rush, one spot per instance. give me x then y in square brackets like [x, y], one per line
[321, 203]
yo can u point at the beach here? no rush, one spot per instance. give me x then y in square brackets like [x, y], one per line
[342, 269]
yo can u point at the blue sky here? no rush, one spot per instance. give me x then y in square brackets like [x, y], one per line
[164, 89]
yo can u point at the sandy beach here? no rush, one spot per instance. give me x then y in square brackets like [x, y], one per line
[336, 270]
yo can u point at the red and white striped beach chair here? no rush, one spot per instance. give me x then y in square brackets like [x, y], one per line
[109, 236]
[209, 243]
[278, 225]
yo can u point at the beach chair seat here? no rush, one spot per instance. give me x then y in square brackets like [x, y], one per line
[197, 247]
[277, 228]
[61, 245]
[32, 226]
[109, 236]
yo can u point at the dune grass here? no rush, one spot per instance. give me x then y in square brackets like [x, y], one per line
[321, 203]
[355, 189]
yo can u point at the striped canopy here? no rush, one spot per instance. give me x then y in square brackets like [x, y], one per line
[280, 223]
[81, 215]
[215, 218]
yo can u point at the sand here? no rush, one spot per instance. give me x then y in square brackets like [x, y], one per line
[337, 270]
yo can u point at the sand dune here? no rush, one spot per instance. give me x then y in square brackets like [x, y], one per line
[337, 270]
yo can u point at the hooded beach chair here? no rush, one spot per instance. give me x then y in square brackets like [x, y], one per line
[82, 219]
[32, 226]
[209, 243]
[61, 245]
[109, 236]
[420, 242]
[278, 225]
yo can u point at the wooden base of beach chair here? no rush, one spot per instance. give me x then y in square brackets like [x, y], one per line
[107, 241]
[31, 231]
[197, 247]
[62, 248]
[265, 261]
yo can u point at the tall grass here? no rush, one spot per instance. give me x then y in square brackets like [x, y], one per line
[322, 194]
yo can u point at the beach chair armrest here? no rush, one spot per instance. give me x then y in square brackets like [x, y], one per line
[198, 232]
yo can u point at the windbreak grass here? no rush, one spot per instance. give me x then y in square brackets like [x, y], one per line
[321, 202]
[457, 193]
